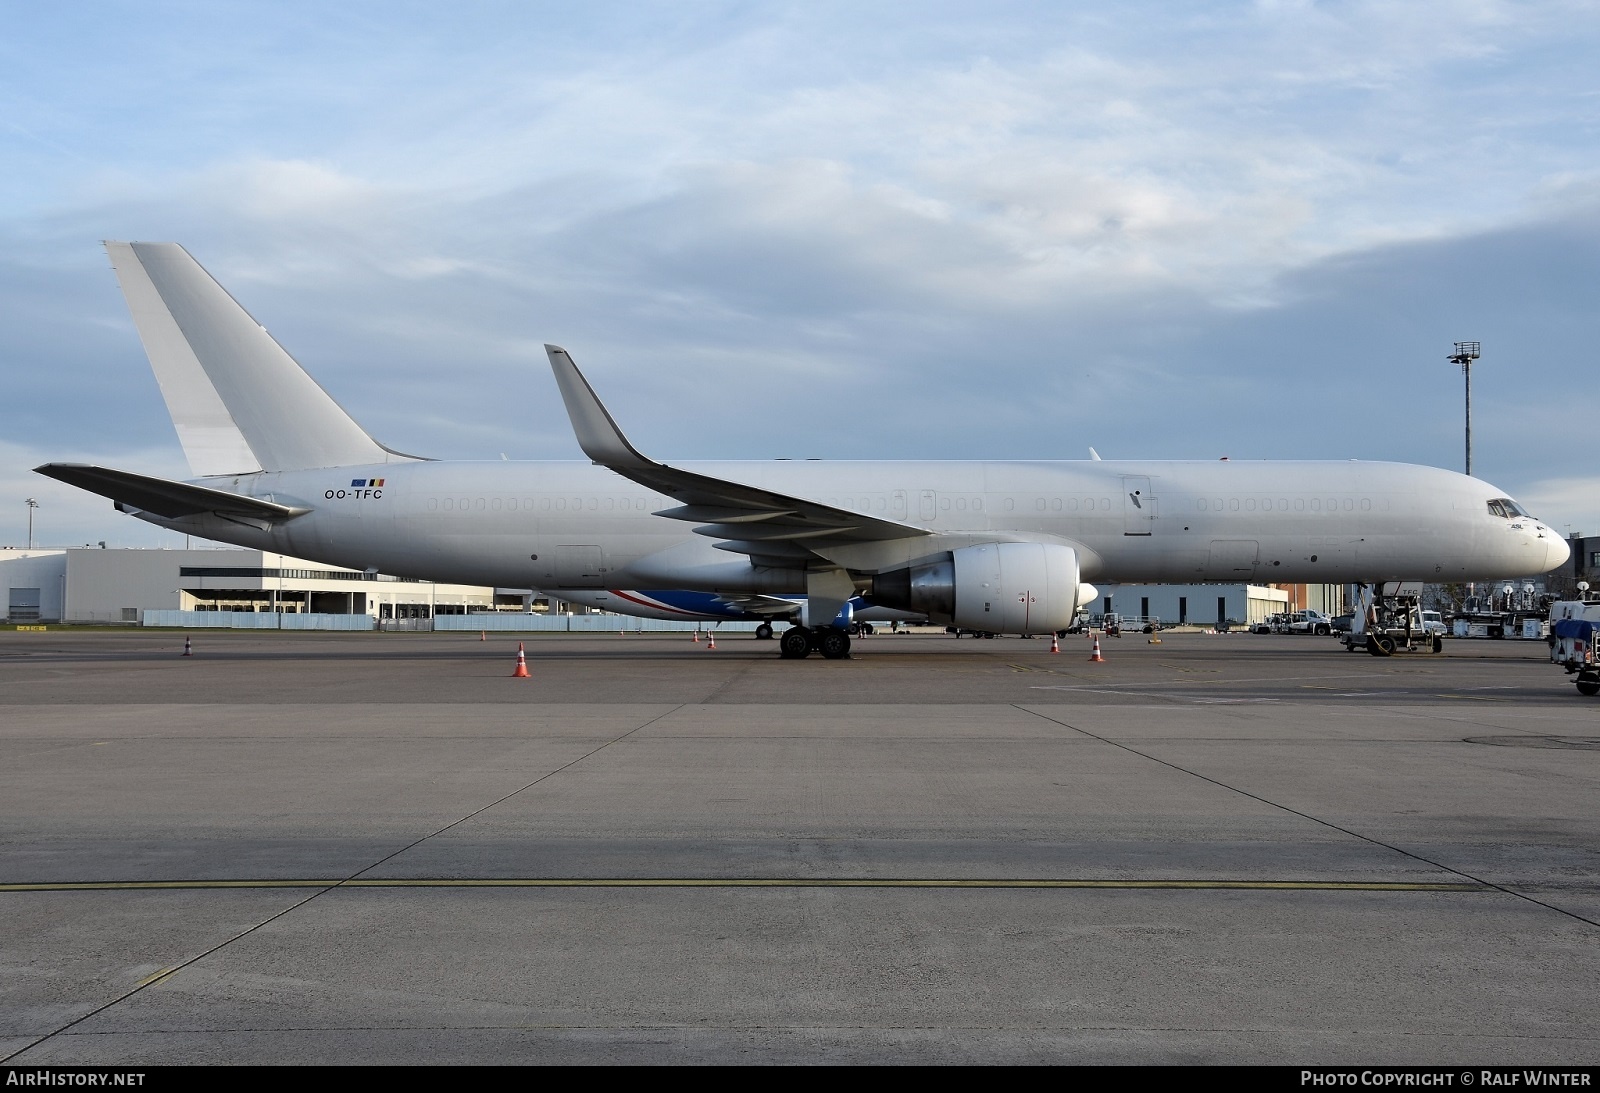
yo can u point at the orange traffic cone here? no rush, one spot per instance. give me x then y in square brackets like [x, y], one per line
[711, 640]
[483, 635]
[696, 638]
[1055, 645]
[522, 664]
[188, 650]
[1096, 658]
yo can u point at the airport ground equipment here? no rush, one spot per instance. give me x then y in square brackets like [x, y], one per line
[1390, 620]
[1112, 624]
[1509, 611]
[1573, 627]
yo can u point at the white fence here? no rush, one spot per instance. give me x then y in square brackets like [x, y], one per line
[576, 624]
[499, 622]
[255, 620]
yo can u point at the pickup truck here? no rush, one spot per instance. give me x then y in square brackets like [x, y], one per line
[1310, 622]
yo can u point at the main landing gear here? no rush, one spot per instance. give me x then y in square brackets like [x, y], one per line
[797, 643]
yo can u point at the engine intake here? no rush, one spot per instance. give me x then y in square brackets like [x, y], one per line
[1004, 588]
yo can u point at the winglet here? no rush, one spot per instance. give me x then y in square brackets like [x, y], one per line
[597, 433]
[1094, 455]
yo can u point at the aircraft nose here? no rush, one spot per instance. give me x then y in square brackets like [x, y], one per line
[1556, 552]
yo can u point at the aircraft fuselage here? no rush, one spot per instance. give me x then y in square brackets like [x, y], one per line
[556, 525]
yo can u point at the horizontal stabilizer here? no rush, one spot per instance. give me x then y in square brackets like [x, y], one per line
[164, 497]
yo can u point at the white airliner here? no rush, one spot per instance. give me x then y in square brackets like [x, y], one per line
[1001, 547]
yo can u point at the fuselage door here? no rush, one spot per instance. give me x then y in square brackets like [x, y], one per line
[1138, 505]
[927, 506]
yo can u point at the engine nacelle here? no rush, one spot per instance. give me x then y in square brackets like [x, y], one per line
[1004, 588]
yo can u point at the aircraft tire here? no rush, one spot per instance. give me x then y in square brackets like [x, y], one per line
[1589, 686]
[833, 643]
[795, 644]
[764, 632]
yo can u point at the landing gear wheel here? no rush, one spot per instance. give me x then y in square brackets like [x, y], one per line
[795, 643]
[1589, 686]
[764, 632]
[834, 643]
[1380, 645]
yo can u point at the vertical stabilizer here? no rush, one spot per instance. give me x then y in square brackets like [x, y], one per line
[239, 402]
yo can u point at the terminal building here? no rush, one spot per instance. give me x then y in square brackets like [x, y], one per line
[90, 585]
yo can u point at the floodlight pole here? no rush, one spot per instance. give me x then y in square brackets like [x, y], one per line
[1465, 354]
[32, 504]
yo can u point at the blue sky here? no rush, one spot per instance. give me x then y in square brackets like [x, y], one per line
[892, 230]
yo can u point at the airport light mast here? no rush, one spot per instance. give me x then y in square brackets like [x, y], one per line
[1465, 354]
[32, 504]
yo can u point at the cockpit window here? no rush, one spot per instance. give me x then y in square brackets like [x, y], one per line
[1508, 509]
[1498, 508]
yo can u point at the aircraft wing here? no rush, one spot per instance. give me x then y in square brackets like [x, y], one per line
[772, 528]
[164, 497]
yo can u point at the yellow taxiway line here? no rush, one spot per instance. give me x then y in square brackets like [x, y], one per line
[748, 882]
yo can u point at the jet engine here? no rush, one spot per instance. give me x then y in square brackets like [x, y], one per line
[1004, 588]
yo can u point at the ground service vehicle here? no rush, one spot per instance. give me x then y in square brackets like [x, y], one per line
[1573, 626]
[1310, 622]
[1390, 620]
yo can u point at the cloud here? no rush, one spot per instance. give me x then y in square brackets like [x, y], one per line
[830, 230]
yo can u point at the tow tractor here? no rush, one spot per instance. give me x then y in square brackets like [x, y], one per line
[1574, 625]
[1389, 620]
